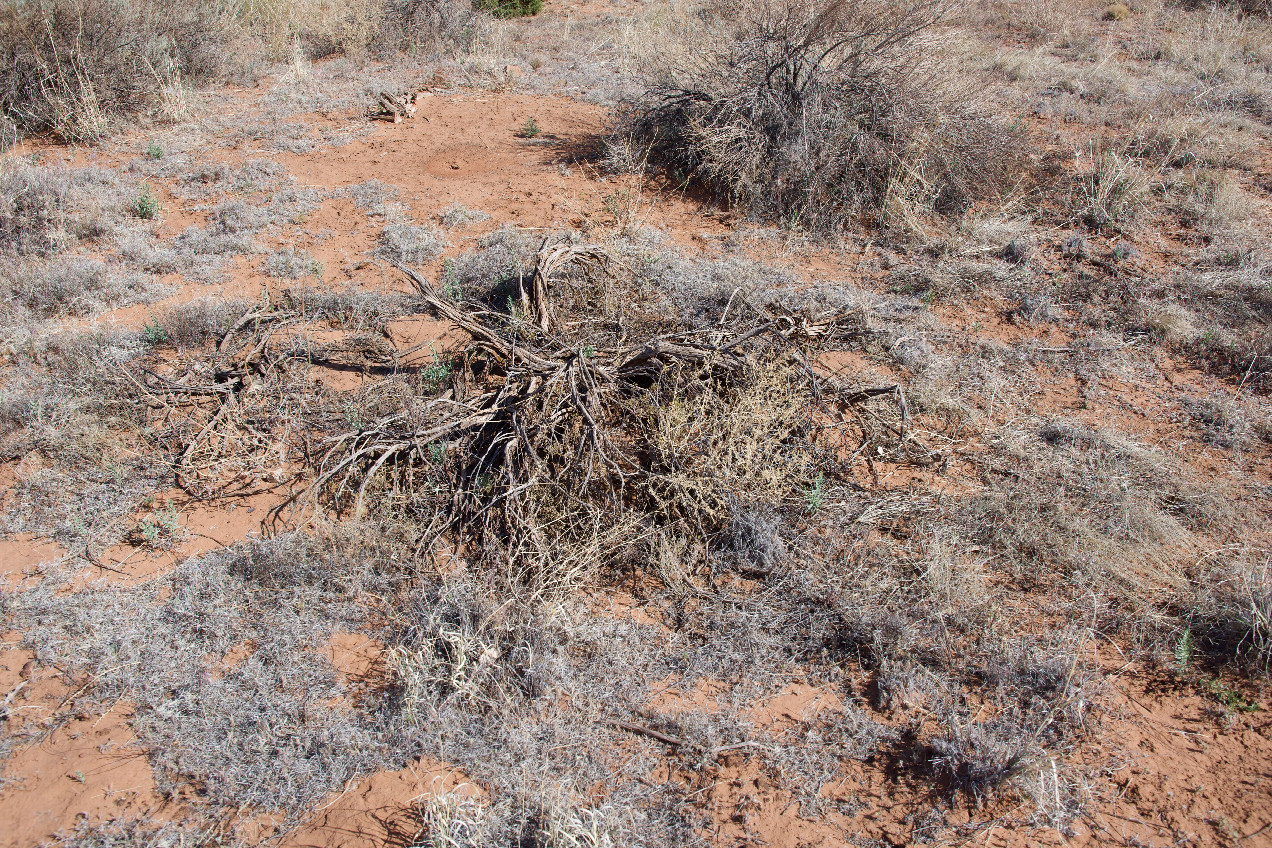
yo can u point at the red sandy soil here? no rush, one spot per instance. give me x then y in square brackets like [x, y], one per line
[82, 766]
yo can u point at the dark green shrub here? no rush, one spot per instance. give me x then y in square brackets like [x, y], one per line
[510, 8]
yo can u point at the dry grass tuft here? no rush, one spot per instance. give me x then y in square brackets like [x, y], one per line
[1091, 506]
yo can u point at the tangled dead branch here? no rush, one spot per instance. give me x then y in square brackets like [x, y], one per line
[238, 420]
[579, 425]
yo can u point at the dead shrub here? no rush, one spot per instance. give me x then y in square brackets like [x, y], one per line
[816, 112]
[72, 67]
[576, 444]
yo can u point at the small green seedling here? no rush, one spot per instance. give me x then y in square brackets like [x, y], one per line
[450, 281]
[433, 375]
[146, 206]
[153, 333]
[161, 525]
[1230, 698]
[169, 520]
[816, 494]
[353, 416]
[511, 8]
[1184, 650]
[530, 129]
[154, 151]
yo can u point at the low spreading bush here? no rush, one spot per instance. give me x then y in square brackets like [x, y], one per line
[511, 8]
[817, 112]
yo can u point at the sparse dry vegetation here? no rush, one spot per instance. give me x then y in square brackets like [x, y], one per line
[869, 444]
[74, 68]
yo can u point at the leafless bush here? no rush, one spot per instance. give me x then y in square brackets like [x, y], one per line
[741, 429]
[819, 111]
[72, 67]
[430, 25]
